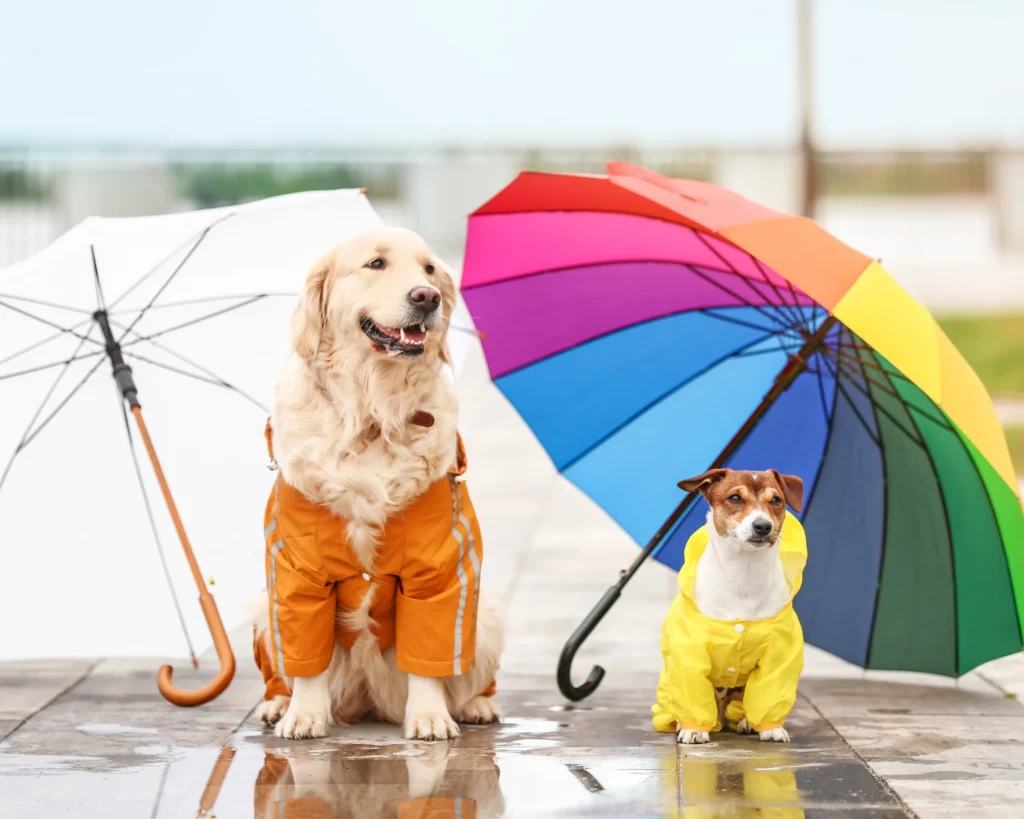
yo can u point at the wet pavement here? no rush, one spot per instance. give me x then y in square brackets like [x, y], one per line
[94, 739]
[544, 759]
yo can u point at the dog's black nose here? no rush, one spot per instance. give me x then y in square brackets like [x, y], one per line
[762, 528]
[425, 299]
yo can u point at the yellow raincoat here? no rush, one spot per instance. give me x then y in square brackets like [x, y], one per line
[702, 654]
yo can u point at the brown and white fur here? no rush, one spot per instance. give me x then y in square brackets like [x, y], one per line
[739, 575]
[369, 352]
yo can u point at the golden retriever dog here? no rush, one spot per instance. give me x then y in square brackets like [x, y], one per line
[369, 354]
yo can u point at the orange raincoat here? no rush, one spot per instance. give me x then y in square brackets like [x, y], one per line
[425, 583]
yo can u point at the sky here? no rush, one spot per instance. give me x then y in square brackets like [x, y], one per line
[887, 73]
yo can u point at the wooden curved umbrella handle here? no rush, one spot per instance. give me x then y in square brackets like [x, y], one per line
[216, 686]
[164, 683]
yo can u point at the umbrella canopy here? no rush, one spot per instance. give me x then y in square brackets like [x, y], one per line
[200, 303]
[639, 324]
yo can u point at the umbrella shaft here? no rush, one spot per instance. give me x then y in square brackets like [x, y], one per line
[122, 372]
[796, 365]
[169, 499]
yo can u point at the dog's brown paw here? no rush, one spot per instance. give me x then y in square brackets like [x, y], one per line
[479, 711]
[744, 727]
[431, 727]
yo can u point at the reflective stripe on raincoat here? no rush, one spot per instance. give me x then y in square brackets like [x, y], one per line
[702, 653]
[425, 583]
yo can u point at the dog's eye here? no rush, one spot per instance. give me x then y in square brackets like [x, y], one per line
[776, 500]
[430, 269]
[735, 499]
[376, 264]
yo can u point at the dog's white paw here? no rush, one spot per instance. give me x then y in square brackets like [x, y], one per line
[431, 726]
[270, 712]
[684, 737]
[779, 734]
[744, 727]
[305, 725]
[479, 711]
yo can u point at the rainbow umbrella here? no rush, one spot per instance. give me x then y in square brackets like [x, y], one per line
[648, 329]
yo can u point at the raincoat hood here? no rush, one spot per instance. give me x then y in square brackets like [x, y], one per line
[792, 546]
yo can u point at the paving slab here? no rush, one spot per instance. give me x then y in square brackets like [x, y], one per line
[544, 760]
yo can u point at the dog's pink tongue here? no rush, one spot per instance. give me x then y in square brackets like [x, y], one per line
[414, 335]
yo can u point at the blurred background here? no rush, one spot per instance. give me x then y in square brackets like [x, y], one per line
[898, 124]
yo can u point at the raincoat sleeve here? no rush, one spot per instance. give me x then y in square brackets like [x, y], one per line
[301, 597]
[686, 698]
[771, 686]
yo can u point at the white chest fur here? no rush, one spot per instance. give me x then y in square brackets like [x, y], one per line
[734, 581]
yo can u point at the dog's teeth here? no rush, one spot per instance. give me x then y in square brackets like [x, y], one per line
[401, 334]
[423, 327]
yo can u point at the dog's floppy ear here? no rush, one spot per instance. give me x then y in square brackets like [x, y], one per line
[792, 489]
[704, 481]
[309, 316]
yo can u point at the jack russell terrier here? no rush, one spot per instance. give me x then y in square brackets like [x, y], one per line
[731, 641]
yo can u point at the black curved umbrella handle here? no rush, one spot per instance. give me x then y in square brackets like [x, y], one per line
[579, 636]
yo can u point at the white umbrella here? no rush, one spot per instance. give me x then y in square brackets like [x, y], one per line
[199, 303]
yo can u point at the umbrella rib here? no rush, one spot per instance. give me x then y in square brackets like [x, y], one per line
[174, 273]
[829, 417]
[48, 323]
[746, 279]
[44, 303]
[793, 346]
[25, 437]
[153, 527]
[208, 300]
[160, 263]
[949, 538]
[62, 404]
[710, 311]
[789, 286]
[877, 407]
[874, 365]
[961, 439]
[890, 388]
[760, 308]
[51, 365]
[101, 302]
[685, 382]
[213, 377]
[45, 341]
[139, 338]
[860, 417]
[821, 394]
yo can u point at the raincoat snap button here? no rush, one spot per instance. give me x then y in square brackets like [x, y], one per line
[739, 628]
[730, 671]
[366, 576]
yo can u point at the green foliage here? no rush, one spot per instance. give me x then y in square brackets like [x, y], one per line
[994, 346]
[229, 184]
[904, 174]
[18, 183]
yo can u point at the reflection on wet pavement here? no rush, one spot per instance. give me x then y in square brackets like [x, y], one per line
[544, 760]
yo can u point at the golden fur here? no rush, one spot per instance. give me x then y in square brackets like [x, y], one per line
[341, 436]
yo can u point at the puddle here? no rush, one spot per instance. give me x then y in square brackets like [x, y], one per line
[527, 766]
[513, 726]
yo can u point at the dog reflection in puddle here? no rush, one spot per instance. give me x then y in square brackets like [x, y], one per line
[358, 782]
